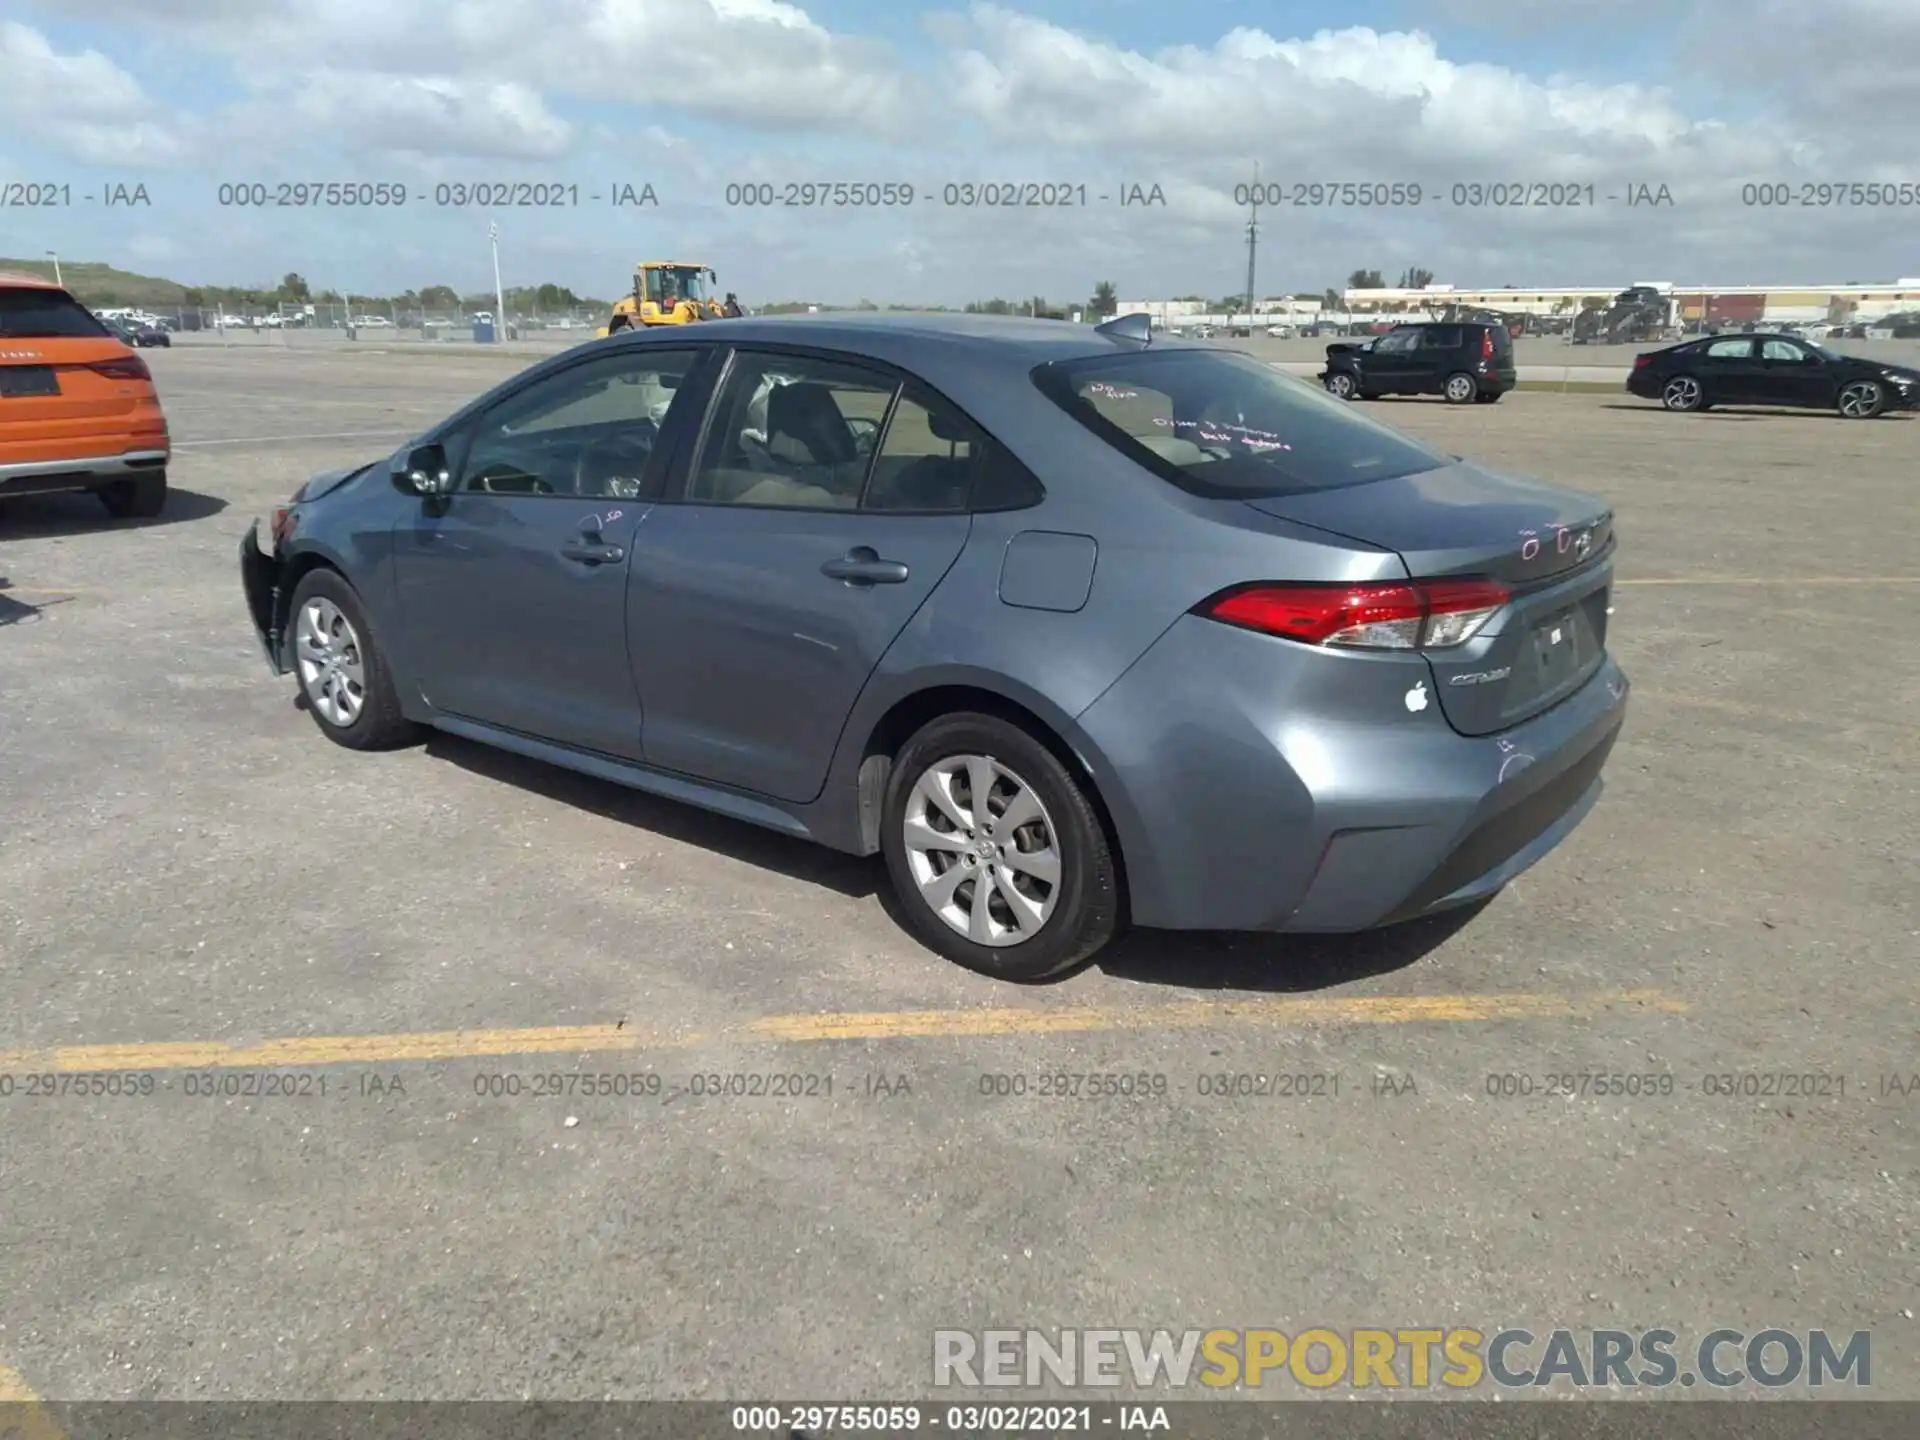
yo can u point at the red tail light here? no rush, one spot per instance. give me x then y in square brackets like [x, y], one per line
[1640, 361]
[1486, 344]
[1428, 614]
[126, 367]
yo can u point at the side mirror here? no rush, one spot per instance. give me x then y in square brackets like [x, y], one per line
[423, 471]
[866, 432]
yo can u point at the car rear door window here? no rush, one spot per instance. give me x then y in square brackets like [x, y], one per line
[1741, 349]
[1223, 425]
[587, 431]
[927, 457]
[1783, 350]
[1442, 337]
[791, 432]
[933, 460]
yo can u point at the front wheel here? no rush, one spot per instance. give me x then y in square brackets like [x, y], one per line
[1342, 386]
[997, 856]
[343, 675]
[1861, 399]
[1460, 388]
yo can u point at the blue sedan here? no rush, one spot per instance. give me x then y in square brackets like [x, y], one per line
[1075, 627]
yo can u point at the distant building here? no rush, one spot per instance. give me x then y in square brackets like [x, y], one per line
[1726, 303]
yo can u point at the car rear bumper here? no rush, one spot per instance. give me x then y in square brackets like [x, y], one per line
[89, 472]
[260, 579]
[1260, 785]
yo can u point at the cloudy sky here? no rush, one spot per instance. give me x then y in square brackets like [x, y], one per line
[693, 96]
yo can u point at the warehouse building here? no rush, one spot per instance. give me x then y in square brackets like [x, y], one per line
[1724, 304]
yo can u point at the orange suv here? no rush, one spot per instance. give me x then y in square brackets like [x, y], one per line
[77, 407]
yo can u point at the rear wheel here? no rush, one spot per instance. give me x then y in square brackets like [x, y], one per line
[1460, 388]
[1861, 399]
[1683, 393]
[997, 857]
[138, 497]
[343, 674]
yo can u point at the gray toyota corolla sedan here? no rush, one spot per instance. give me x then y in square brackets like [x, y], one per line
[1075, 627]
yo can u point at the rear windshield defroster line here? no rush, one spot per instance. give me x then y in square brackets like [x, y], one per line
[1224, 426]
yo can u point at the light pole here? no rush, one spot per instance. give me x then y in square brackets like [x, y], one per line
[1253, 241]
[499, 298]
[56, 271]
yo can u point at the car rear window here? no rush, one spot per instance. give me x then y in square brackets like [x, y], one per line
[1225, 426]
[33, 314]
[1502, 339]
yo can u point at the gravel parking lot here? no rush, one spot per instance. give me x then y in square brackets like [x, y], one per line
[185, 864]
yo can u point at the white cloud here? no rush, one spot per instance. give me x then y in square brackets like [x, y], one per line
[692, 94]
[432, 117]
[82, 106]
[743, 61]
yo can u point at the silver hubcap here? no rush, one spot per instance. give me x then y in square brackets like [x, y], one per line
[1342, 386]
[1859, 399]
[983, 850]
[1459, 388]
[331, 668]
[1683, 394]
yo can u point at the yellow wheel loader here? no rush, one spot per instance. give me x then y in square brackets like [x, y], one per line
[667, 292]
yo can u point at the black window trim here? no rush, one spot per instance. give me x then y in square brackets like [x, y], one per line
[676, 488]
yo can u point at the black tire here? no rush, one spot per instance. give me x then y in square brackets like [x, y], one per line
[379, 725]
[1871, 401]
[1087, 911]
[1677, 398]
[1459, 388]
[138, 497]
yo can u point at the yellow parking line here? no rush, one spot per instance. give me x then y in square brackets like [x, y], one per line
[24, 1416]
[801, 1029]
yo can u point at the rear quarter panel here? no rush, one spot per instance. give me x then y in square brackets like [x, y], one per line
[1160, 551]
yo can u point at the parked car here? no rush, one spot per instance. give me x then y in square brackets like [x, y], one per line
[1280, 332]
[1771, 369]
[896, 607]
[78, 411]
[140, 336]
[1463, 361]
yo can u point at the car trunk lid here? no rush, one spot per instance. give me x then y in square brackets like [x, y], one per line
[1552, 548]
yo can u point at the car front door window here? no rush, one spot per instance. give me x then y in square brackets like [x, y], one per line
[586, 433]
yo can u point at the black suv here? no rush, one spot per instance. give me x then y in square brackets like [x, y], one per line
[1463, 361]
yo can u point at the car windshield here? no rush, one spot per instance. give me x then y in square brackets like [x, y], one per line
[1225, 426]
[668, 283]
[45, 315]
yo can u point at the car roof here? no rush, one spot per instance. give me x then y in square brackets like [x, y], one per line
[26, 280]
[903, 338]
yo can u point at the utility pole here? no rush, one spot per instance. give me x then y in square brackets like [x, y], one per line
[1253, 238]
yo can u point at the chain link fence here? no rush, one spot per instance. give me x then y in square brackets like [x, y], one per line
[323, 324]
